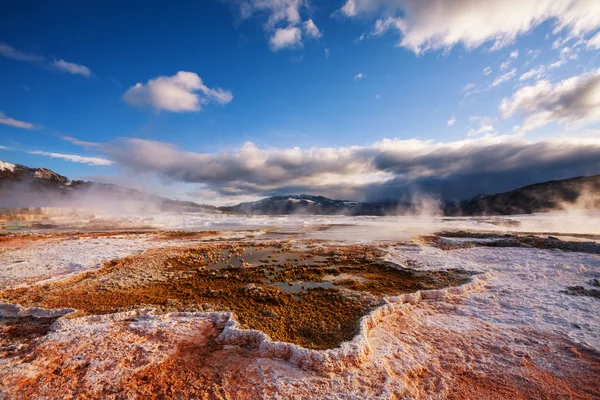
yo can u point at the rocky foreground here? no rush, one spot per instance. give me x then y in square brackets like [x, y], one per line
[238, 315]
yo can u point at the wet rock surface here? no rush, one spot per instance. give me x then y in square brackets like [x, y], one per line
[448, 241]
[582, 291]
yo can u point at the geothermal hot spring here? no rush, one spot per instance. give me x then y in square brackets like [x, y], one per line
[223, 306]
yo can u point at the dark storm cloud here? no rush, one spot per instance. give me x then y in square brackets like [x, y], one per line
[390, 169]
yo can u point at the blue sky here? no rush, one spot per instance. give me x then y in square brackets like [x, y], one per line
[364, 80]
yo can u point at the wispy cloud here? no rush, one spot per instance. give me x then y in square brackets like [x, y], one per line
[16, 123]
[311, 29]
[503, 78]
[537, 73]
[14, 54]
[360, 75]
[56, 65]
[74, 158]
[469, 89]
[81, 143]
[74, 69]
[451, 121]
[594, 42]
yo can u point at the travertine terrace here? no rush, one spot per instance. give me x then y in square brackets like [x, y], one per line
[275, 311]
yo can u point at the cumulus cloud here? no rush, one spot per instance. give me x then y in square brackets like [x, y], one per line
[14, 54]
[573, 101]
[440, 24]
[71, 68]
[286, 38]
[74, 158]
[503, 78]
[287, 11]
[181, 92]
[382, 170]
[284, 21]
[5, 120]
[451, 121]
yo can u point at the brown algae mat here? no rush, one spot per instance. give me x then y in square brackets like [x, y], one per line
[312, 296]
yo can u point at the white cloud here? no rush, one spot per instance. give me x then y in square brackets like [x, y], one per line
[12, 53]
[536, 73]
[56, 65]
[503, 78]
[514, 54]
[505, 64]
[283, 38]
[484, 126]
[487, 71]
[327, 52]
[440, 24]
[557, 64]
[311, 29]
[181, 92]
[74, 158]
[532, 54]
[15, 123]
[360, 75]
[81, 143]
[469, 89]
[482, 130]
[572, 101]
[451, 121]
[283, 21]
[74, 69]
[594, 42]
[279, 11]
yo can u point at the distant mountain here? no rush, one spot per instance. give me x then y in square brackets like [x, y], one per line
[18, 173]
[22, 187]
[307, 204]
[580, 192]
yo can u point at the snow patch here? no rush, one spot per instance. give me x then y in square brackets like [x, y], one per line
[5, 166]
